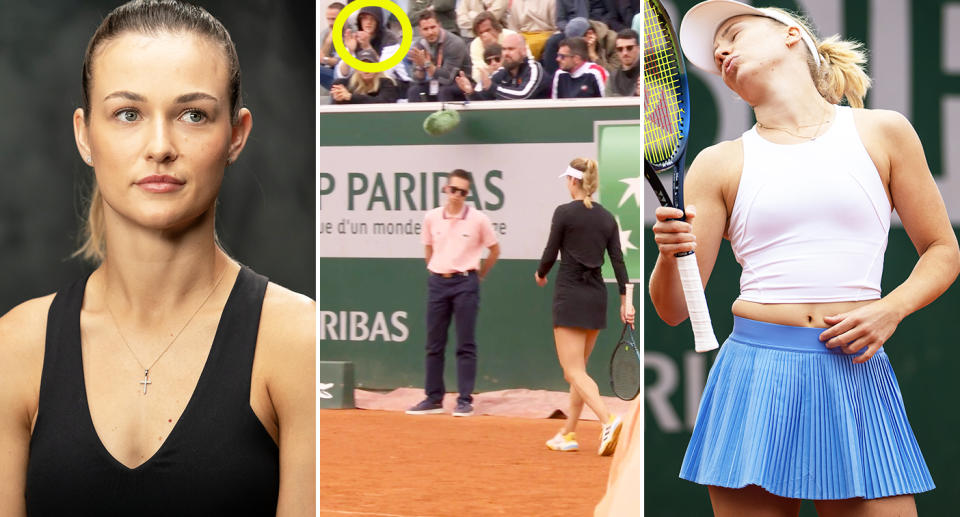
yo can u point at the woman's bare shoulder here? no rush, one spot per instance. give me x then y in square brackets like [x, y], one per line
[723, 153]
[286, 347]
[288, 323]
[889, 123]
[718, 163]
[22, 337]
[24, 328]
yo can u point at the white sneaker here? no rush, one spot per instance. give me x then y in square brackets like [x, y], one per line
[609, 436]
[564, 442]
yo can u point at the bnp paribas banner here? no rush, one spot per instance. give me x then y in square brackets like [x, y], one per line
[379, 173]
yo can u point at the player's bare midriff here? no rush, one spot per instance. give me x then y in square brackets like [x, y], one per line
[795, 314]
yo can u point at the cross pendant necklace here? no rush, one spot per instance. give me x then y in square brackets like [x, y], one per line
[146, 369]
[146, 380]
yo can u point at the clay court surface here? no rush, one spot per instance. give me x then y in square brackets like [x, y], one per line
[387, 463]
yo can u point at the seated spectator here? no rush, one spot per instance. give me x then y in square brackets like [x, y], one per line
[593, 10]
[534, 19]
[488, 31]
[437, 56]
[626, 81]
[572, 28]
[364, 87]
[445, 9]
[372, 35]
[467, 10]
[492, 59]
[577, 76]
[601, 41]
[520, 76]
[328, 55]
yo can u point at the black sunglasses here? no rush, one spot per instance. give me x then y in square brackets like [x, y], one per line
[491, 59]
[628, 48]
[458, 190]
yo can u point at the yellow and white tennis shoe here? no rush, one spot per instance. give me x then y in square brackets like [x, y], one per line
[609, 435]
[564, 442]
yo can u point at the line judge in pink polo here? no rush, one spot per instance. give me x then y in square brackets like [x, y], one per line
[454, 237]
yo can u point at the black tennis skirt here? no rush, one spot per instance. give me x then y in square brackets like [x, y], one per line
[579, 298]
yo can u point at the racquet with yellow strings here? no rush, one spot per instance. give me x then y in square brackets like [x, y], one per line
[666, 130]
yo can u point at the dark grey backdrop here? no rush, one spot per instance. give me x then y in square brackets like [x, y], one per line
[266, 216]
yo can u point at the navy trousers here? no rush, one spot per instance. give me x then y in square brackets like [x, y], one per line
[448, 298]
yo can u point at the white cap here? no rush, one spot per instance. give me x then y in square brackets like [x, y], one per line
[573, 173]
[699, 27]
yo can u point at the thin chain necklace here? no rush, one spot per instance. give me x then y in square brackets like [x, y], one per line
[816, 133]
[146, 370]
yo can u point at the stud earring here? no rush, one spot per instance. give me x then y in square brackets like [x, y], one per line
[89, 159]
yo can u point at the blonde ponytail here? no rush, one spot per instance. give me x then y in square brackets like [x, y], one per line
[841, 72]
[591, 177]
[94, 246]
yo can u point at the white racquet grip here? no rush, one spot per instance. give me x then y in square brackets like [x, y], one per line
[629, 296]
[704, 340]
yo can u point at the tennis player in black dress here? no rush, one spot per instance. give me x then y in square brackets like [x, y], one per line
[581, 230]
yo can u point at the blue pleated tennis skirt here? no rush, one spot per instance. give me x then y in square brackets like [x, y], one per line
[783, 411]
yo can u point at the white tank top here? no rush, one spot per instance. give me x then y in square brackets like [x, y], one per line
[810, 220]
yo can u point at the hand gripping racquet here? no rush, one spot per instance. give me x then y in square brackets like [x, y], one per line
[666, 128]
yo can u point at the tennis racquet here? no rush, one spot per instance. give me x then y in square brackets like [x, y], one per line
[666, 128]
[626, 365]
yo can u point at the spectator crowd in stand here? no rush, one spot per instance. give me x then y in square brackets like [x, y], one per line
[487, 50]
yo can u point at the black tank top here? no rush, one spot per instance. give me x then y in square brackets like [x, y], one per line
[217, 460]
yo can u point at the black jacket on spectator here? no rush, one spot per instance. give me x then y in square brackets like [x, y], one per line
[623, 83]
[387, 93]
[617, 14]
[383, 38]
[620, 13]
[587, 81]
[453, 52]
[528, 84]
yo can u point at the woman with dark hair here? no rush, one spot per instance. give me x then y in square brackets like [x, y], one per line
[373, 35]
[802, 401]
[172, 380]
[581, 231]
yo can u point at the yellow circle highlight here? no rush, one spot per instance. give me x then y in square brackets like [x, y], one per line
[406, 32]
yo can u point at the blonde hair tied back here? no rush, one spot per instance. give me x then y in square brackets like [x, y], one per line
[591, 177]
[841, 73]
[93, 234]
